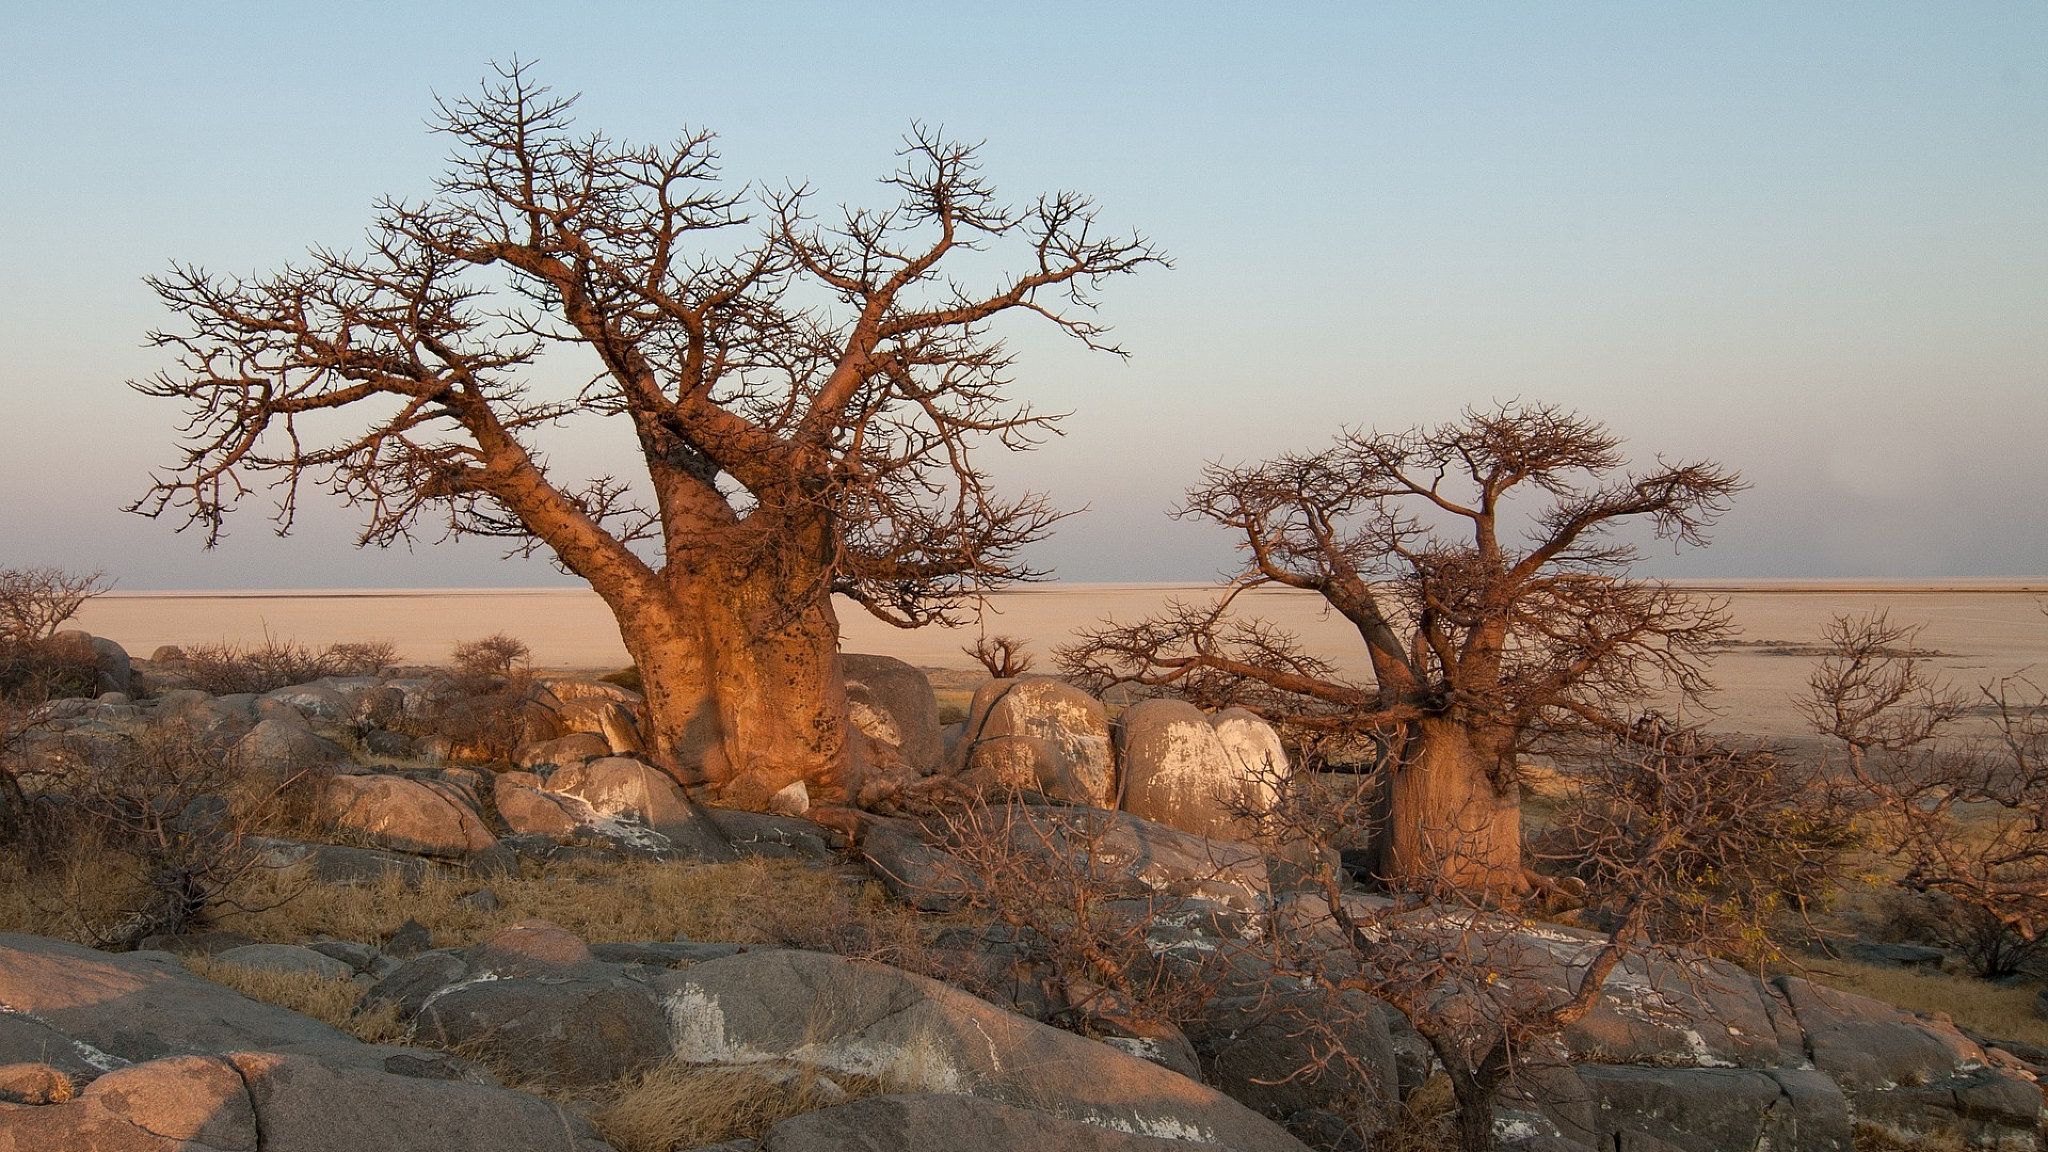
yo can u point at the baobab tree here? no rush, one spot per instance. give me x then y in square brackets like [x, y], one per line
[807, 397]
[1489, 625]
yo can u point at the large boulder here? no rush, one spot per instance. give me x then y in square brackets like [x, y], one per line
[620, 789]
[1212, 778]
[282, 743]
[535, 1001]
[315, 701]
[429, 818]
[111, 668]
[924, 1036]
[1060, 732]
[1715, 1109]
[892, 704]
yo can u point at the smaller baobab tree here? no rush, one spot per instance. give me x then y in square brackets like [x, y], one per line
[1479, 562]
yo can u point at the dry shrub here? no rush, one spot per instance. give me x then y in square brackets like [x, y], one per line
[228, 668]
[1425, 1122]
[330, 1000]
[33, 601]
[675, 1106]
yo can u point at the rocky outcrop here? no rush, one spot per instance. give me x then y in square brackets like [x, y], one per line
[430, 818]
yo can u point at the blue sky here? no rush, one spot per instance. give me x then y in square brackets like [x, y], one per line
[1810, 240]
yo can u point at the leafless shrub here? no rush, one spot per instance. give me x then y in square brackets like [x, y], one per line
[1070, 908]
[171, 819]
[1966, 817]
[33, 601]
[227, 668]
[484, 700]
[1003, 656]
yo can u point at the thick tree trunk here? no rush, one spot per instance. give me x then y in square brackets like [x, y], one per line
[1445, 820]
[743, 687]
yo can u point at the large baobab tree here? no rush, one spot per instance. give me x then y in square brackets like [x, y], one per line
[1489, 624]
[807, 397]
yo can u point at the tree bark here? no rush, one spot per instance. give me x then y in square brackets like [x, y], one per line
[1446, 821]
[743, 686]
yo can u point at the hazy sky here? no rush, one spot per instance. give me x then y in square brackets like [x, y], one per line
[1810, 240]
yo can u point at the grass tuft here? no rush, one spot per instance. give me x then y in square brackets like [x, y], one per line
[676, 1106]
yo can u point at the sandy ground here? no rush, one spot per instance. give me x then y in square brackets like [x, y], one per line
[1982, 630]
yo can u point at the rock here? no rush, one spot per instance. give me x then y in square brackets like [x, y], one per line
[139, 1006]
[1867, 1045]
[180, 1104]
[924, 1036]
[313, 701]
[915, 871]
[194, 943]
[393, 745]
[1063, 716]
[893, 705]
[621, 732]
[793, 800]
[571, 689]
[574, 748]
[304, 1106]
[1254, 751]
[359, 957]
[1256, 1047]
[1986, 1107]
[569, 1029]
[1717, 1109]
[1654, 1010]
[1177, 772]
[286, 958]
[411, 939]
[405, 815]
[531, 812]
[930, 1122]
[663, 953]
[616, 788]
[780, 837]
[339, 863]
[481, 900]
[281, 743]
[36, 1083]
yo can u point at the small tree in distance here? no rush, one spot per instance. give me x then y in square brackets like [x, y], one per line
[806, 397]
[1480, 643]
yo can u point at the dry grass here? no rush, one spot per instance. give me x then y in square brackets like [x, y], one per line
[677, 1106]
[330, 1000]
[754, 901]
[1977, 1006]
[1425, 1122]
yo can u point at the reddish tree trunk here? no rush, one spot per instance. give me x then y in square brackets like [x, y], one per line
[744, 693]
[1445, 818]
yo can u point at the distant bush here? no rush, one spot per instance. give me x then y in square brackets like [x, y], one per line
[33, 601]
[227, 668]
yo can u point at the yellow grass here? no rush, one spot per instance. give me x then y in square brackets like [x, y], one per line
[676, 1106]
[1977, 1006]
[330, 1000]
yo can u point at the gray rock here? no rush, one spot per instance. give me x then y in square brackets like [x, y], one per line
[1903, 955]
[528, 811]
[405, 815]
[359, 957]
[924, 1036]
[892, 704]
[565, 1029]
[315, 701]
[305, 1106]
[930, 1122]
[1064, 717]
[1867, 1045]
[282, 743]
[339, 863]
[618, 788]
[1719, 1109]
[194, 943]
[179, 1104]
[384, 742]
[1176, 772]
[411, 939]
[286, 958]
[773, 836]
[1258, 1046]
[574, 748]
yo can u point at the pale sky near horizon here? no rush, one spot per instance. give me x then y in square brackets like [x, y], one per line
[1809, 240]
